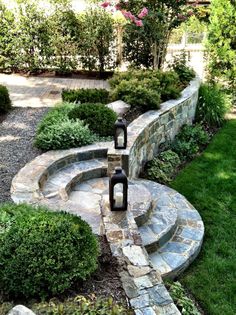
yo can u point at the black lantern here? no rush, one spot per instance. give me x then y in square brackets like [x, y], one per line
[118, 190]
[120, 136]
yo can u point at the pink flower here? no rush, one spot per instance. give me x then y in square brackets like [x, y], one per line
[138, 23]
[105, 4]
[128, 15]
[143, 13]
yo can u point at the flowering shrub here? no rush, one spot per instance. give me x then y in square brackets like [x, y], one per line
[118, 5]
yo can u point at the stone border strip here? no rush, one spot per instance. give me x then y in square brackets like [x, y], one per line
[142, 283]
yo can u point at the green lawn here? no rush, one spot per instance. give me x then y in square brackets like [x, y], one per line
[209, 183]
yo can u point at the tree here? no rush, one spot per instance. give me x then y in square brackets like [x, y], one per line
[151, 25]
[222, 40]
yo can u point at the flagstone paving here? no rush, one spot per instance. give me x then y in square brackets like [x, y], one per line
[41, 91]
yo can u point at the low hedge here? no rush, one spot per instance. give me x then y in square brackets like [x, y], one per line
[43, 253]
[5, 102]
[98, 117]
[85, 96]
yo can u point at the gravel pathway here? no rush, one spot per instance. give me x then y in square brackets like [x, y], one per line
[16, 144]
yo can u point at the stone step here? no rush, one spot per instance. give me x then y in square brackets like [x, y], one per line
[61, 182]
[173, 234]
[162, 222]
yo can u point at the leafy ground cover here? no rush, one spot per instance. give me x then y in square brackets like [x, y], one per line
[209, 184]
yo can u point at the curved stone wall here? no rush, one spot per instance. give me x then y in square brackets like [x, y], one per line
[154, 128]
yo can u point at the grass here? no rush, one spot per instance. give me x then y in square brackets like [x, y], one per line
[209, 183]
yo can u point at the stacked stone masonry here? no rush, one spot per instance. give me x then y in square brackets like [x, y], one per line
[150, 131]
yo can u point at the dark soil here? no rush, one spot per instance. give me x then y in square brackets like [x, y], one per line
[132, 114]
[105, 282]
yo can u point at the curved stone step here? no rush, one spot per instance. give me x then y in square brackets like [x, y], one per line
[62, 181]
[174, 233]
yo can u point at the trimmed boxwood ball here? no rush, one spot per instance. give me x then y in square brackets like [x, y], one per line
[5, 102]
[98, 117]
[43, 253]
[85, 96]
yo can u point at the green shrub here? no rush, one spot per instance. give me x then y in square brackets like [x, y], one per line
[44, 253]
[86, 96]
[55, 115]
[180, 67]
[98, 117]
[80, 306]
[163, 167]
[183, 302]
[212, 105]
[137, 94]
[170, 86]
[189, 141]
[145, 88]
[64, 135]
[5, 102]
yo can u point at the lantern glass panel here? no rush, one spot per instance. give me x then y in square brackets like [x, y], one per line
[120, 136]
[118, 195]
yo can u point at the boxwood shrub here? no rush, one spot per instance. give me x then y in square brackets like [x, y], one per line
[85, 96]
[5, 102]
[43, 253]
[98, 117]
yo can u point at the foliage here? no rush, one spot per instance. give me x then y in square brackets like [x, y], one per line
[212, 105]
[32, 38]
[209, 185]
[80, 306]
[44, 253]
[150, 41]
[7, 52]
[163, 167]
[180, 67]
[96, 39]
[86, 96]
[189, 141]
[145, 88]
[222, 41]
[5, 102]
[99, 118]
[64, 135]
[64, 35]
[183, 302]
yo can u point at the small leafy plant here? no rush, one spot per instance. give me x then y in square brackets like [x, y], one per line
[189, 141]
[183, 302]
[179, 65]
[5, 102]
[163, 167]
[81, 305]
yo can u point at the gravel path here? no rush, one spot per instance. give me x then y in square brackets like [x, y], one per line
[16, 144]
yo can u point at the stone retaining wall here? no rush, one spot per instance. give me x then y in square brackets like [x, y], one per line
[154, 128]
